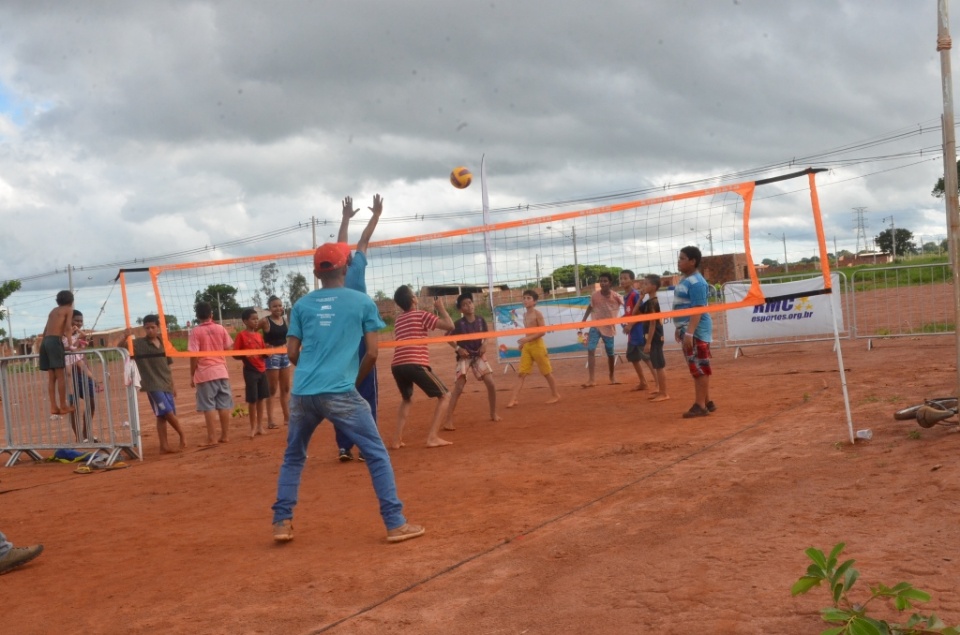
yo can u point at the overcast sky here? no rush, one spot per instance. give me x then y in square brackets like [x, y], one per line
[135, 129]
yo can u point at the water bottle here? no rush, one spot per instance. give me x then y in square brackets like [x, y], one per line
[865, 434]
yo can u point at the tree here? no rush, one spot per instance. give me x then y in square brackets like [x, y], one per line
[938, 187]
[227, 306]
[269, 274]
[296, 287]
[171, 321]
[769, 262]
[379, 296]
[589, 274]
[7, 289]
[904, 243]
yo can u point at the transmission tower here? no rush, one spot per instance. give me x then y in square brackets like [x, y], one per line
[861, 227]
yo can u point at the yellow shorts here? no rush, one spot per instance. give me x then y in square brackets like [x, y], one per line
[535, 351]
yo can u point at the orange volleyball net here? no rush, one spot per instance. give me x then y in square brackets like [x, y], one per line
[550, 253]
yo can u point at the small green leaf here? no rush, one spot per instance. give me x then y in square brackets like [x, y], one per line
[834, 631]
[915, 594]
[863, 626]
[951, 630]
[833, 614]
[804, 584]
[901, 586]
[836, 551]
[836, 590]
[817, 556]
[849, 578]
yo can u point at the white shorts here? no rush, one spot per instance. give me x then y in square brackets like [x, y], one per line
[477, 365]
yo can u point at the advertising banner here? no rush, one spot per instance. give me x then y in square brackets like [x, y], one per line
[784, 318]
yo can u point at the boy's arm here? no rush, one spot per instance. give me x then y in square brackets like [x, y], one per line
[348, 213]
[67, 328]
[293, 349]
[444, 323]
[194, 362]
[370, 357]
[377, 209]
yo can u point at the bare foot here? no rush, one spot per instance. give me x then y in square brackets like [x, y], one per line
[207, 445]
[67, 410]
[252, 434]
[660, 398]
[553, 399]
[167, 451]
[496, 418]
[589, 384]
[260, 431]
[437, 443]
[513, 403]
[223, 440]
[640, 387]
[614, 382]
[449, 427]
[396, 445]
[183, 446]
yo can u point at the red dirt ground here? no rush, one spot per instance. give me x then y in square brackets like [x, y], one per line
[602, 514]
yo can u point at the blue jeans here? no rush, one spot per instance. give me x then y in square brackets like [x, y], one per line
[5, 546]
[368, 390]
[350, 416]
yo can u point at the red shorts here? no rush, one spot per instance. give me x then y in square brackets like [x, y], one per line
[698, 358]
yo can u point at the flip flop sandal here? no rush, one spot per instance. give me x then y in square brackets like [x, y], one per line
[272, 426]
[83, 469]
[119, 465]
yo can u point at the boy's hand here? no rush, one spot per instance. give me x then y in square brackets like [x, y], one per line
[348, 211]
[438, 304]
[377, 208]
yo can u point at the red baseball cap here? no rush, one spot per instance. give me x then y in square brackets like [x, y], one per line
[331, 256]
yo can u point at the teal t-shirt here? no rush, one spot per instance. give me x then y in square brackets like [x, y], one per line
[324, 321]
[691, 292]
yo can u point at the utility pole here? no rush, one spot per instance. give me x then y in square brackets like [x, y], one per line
[950, 166]
[786, 265]
[861, 228]
[893, 235]
[219, 309]
[313, 226]
[537, 261]
[70, 277]
[836, 254]
[576, 265]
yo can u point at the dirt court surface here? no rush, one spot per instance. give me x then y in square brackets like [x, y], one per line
[602, 514]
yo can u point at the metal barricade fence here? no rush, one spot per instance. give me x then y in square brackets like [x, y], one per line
[105, 421]
[911, 300]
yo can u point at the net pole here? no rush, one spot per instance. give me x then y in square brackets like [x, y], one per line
[486, 234]
[950, 167]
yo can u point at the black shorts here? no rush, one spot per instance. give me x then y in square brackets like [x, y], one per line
[256, 384]
[657, 359]
[635, 353]
[406, 375]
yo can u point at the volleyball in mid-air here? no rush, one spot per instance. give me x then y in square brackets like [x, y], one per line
[461, 178]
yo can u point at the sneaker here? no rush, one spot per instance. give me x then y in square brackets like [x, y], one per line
[18, 556]
[360, 457]
[695, 411]
[405, 532]
[711, 407]
[345, 456]
[283, 530]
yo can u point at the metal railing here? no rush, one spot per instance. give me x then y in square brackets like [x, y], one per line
[905, 301]
[105, 421]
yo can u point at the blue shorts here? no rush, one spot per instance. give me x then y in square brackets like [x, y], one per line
[162, 403]
[278, 361]
[594, 338]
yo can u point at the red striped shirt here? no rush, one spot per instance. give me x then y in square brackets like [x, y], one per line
[413, 325]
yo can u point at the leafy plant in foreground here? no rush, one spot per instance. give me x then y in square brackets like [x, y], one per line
[852, 616]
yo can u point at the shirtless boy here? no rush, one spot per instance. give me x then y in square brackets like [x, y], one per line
[533, 349]
[53, 355]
